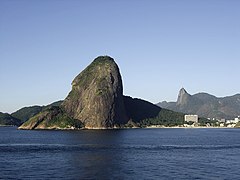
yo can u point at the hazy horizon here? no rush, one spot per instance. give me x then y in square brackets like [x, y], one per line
[160, 47]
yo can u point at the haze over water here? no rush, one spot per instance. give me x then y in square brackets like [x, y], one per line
[120, 154]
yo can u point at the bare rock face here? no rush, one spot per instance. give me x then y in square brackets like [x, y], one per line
[96, 98]
[183, 97]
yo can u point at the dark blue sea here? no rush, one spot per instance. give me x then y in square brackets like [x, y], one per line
[120, 154]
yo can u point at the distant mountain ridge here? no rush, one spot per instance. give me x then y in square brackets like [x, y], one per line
[26, 113]
[8, 120]
[205, 105]
[23, 114]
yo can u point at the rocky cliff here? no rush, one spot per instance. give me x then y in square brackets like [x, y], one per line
[183, 97]
[96, 98]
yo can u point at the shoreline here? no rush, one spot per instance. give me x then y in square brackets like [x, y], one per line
[178, 127]
[1, 125]
[147, 127]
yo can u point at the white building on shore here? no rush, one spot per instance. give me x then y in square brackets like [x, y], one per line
[234, 121]
[191, 118]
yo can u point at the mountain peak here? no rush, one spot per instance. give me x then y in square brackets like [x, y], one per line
[183, 97]
[182, 91]
[96, 98]
[103, 59]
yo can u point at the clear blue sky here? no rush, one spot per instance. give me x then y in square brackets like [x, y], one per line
[160, 46]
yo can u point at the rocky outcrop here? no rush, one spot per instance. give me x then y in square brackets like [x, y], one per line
[51, 118]
[96, 98]
[183, 97]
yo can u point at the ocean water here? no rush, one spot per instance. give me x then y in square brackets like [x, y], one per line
[120, 154]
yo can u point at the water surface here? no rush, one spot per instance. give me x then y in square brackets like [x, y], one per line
[120, 154]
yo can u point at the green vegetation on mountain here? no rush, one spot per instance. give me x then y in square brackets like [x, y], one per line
[8, 120]
[138, 109]
[166, 118]
[27, 112]
[146, 114]
[52, 118]
[57, 103]
[98, 71]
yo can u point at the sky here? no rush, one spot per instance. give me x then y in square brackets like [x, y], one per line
[159, 45]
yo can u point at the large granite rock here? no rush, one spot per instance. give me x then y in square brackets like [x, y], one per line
[96, 98]
[183, 97]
